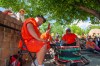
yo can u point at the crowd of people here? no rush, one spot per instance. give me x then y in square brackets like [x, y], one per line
[40, 43]
[92, 43]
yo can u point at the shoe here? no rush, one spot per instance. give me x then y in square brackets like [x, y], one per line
[32, 64]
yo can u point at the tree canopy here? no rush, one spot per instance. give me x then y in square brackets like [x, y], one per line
[64, 11]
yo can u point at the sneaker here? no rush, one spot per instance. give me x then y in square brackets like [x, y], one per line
[32, 64]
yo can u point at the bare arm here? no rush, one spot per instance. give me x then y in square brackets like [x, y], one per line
[32, 31]
[77, 41]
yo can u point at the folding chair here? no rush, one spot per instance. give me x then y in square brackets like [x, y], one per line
[21, 52]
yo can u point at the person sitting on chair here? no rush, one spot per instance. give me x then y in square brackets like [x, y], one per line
[31, 35]
[90, 45]
[70, 39]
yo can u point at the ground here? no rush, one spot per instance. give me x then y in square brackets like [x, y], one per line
[93, 58]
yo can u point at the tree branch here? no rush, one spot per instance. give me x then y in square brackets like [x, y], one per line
[98, 1]
[91, 11]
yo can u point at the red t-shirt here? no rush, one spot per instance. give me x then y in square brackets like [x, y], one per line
[69, 38]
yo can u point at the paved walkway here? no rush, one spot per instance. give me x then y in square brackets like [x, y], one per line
[93, 58]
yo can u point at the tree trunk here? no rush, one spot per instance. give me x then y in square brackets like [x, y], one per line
[91, 11]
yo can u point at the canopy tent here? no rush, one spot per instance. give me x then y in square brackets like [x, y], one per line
[94, 32]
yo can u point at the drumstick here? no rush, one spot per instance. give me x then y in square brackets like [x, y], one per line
[48, 26]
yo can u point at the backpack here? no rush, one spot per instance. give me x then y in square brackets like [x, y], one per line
[14, 61]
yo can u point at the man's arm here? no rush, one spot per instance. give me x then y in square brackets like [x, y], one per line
[32, 31]
[18, 16]
[64, 41]
[77, 41]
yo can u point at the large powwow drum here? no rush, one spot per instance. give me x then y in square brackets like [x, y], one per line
[69, 53]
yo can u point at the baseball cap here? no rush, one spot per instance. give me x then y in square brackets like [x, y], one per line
[68, 29]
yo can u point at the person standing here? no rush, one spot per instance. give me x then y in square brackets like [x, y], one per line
[20, 15]
[47, 36]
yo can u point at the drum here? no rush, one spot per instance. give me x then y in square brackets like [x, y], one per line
[69, 53]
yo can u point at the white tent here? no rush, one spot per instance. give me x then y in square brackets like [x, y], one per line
[94, 31]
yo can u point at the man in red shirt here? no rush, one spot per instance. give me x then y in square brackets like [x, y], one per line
[70, 38]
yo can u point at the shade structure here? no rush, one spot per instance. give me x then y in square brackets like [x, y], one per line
[95, 32]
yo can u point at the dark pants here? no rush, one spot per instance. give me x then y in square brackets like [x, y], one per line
[99, 44]
[72, 44]
[90, 50]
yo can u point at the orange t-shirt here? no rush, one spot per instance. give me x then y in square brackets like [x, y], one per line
[47, 37]
[90, 44]
[69, 38]
[24, 31]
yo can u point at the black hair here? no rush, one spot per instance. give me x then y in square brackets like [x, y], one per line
[68, 29]
[44, 20]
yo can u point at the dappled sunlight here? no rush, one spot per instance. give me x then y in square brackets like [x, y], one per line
[84, 25]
